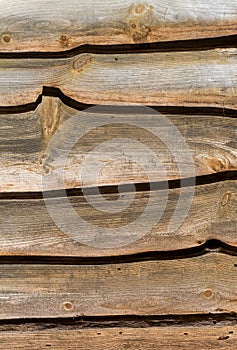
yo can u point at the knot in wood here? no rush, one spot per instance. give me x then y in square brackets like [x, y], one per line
[82, 62]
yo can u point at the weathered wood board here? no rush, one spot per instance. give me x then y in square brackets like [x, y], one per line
[108, 148]
[26, 227]
[197, 78]
[199, 285]
[41, 26]
[164, 338]
[117, 254]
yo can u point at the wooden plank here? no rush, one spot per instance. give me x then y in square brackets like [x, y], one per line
[199, 285]
[131, 144]
[170, 338]
[197, 78]
[42, 26]
[28, 227]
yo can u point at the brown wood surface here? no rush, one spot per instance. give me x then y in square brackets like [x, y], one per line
[91, 265]
[196, 78]
[26, 227]
[169, 338]
[132, 143]
[195, 285]
[42, 26]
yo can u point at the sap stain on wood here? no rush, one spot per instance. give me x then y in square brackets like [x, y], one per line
[49, 113]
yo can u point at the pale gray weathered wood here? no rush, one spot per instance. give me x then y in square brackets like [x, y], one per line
[41, 26]
[197, 78]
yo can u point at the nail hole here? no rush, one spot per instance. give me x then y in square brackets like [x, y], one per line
[6, 38]
[68, 306]
[207, 293]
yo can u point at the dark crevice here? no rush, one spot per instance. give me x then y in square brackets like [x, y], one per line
[210, 246]
[68, 101]
[21, 108]
[125, 188]
[212, 111]
[56, 92]
[128, 321]
[53, 92]
[167, 46]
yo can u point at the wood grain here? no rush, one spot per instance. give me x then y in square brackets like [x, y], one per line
[169, 338]
[199, 285]
[174, 338]
[138, 145]
[28, 227]
[42, 26]
[197, 78]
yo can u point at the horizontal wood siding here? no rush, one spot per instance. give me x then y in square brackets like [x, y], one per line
[118, 164]
[42, 26]
[173, 338]
[199, 285]
[28, 153]
[27, 228]
[195, 78]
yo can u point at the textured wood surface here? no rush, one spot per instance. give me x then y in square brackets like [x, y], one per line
[199, 285]
[131, 258]
[26, 226]
[136, 147]
[197, 78]
[42, 26]
[169, 338]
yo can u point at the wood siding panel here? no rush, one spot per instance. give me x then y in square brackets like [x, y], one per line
[42, 26]
[204, 284]
[197, 78]
[181, 146]
[26, 226]
[165, 338]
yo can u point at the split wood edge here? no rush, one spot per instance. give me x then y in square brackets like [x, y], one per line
[192, 79]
